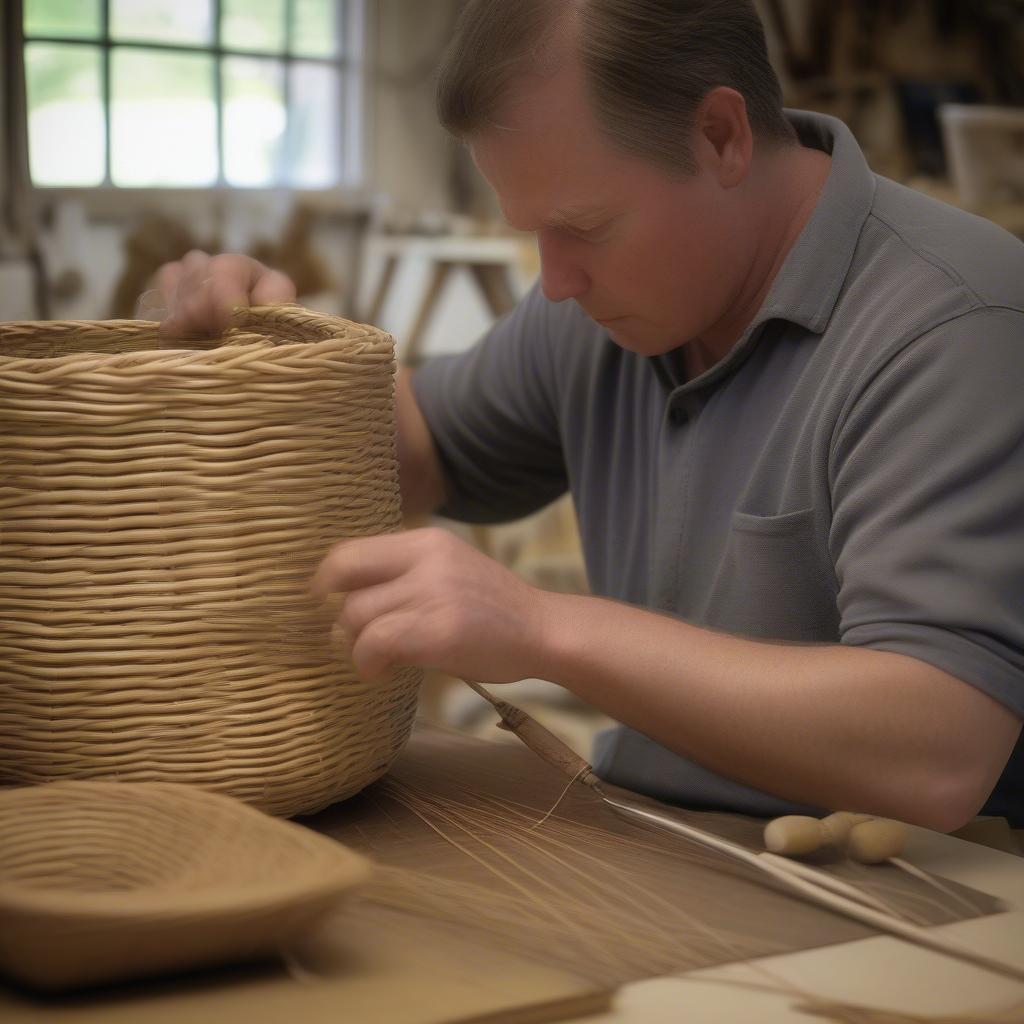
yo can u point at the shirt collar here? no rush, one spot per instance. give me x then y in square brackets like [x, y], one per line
[807, 286]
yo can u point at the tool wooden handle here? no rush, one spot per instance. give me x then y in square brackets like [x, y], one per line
[541, 741]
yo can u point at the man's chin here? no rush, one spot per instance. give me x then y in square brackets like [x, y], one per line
[627, 334]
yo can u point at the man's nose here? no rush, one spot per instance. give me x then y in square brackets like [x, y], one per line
[561, 276]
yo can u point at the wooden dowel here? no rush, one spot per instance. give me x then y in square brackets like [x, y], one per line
[883, 921]
[823, 878]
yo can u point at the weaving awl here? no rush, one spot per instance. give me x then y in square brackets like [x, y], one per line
[555, 752]
[543, 743]
[818, 887]
[551, 749]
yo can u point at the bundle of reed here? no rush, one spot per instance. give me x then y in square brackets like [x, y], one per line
[162, 507]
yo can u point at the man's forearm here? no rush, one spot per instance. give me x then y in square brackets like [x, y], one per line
[419, 468]
[833, 726]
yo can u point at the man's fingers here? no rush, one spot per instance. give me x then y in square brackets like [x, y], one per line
[151, 305]
[365, 606]
[167, 279]
[186, 313]
[383, 645]
[158, 302]
[366, 562]
[190, 316]
[220, 296]
[203, 291]
[209, 288]
[273, 286]
[195, 261]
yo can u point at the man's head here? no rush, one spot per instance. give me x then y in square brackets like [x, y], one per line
[647, 66]
[621, 132]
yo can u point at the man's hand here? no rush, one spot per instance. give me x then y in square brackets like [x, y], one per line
[426, 598]
[199, 291]
[195, 297]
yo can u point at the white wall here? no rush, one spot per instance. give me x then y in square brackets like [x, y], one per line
[411, 155]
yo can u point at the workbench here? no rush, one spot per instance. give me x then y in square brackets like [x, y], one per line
[377, 964]
[494, 265]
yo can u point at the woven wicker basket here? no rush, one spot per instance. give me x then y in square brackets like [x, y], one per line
[102, 881]
[161, 512]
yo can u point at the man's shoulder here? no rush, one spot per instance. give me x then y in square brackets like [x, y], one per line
[939, 245]
[930, 279]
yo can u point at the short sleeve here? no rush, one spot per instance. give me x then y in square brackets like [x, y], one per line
[493, 415]
[927, 483]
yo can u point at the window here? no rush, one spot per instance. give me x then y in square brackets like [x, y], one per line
[193, 93]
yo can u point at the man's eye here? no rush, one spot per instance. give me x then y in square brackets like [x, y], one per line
[593, 234]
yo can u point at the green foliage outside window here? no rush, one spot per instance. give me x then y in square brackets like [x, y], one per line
[186, 93]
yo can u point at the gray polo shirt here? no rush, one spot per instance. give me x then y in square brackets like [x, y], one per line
[852, 472]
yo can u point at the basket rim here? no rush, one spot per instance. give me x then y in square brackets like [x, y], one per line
[321, 866]
[296, 328]
[242, 356]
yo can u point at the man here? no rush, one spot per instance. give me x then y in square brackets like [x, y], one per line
[786, 396]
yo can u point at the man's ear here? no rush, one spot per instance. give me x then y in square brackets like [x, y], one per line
[724, 136]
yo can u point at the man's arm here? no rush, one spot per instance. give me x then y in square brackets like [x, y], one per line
[833, 726]
[419, 468]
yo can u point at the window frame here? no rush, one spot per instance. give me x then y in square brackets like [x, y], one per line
[107, 197]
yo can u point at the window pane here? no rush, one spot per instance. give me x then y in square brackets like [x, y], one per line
[65, 113]
[254, 119]
[77, 18]
[163, 118]
[162, 21]
[316, 30]
[314, 126]
[253, 25]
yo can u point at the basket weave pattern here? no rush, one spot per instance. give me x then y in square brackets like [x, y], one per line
[101, 881]
[161, 512]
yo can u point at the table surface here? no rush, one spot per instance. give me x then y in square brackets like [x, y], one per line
[394, 968]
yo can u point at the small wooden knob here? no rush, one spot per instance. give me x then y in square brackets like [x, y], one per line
[874, 841]
[793, 835]
[836, 827]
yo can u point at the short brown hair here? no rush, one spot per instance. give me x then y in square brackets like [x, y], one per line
[647, 65]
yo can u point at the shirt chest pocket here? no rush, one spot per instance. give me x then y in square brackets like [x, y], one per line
[775, 579]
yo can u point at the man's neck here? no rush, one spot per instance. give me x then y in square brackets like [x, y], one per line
[782, 200]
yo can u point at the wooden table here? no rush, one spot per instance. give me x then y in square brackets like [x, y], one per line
[493, 264]
[372, 965]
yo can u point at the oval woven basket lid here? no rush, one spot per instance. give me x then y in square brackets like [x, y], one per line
[104, 881]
